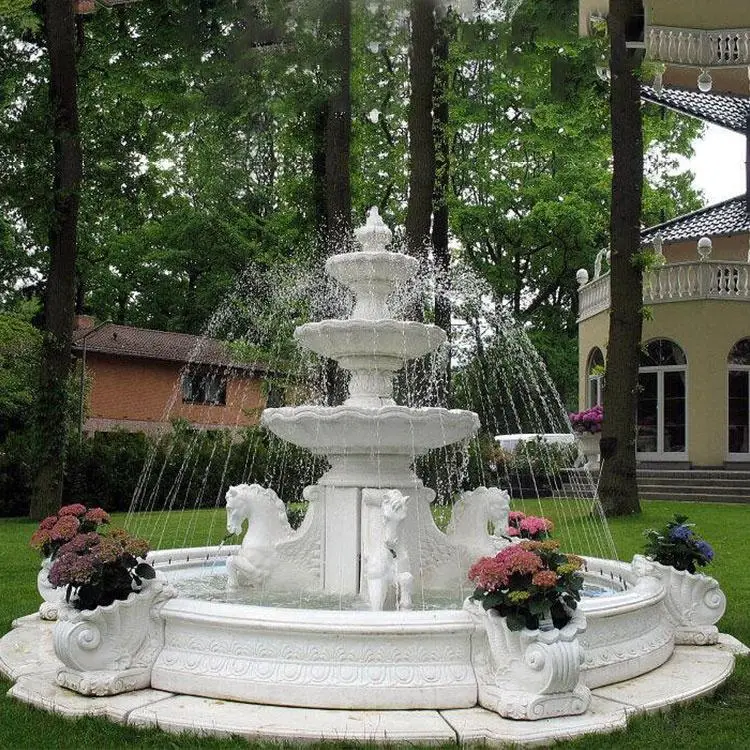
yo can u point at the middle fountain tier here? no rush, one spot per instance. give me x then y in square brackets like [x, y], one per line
[369, 440]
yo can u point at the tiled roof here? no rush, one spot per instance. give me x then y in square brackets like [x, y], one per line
[721, 109]
[143, 343]
[725, 218]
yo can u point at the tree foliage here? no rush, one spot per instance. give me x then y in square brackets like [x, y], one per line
[201, 126]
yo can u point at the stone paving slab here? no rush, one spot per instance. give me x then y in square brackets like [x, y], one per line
[43, 692]
[477, 725]
[27, 656]
[27, 649]
[691, 672]
[216, 717]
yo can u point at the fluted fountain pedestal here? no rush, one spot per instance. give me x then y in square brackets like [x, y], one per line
[370, 441]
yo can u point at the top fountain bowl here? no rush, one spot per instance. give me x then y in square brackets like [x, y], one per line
[371, 268]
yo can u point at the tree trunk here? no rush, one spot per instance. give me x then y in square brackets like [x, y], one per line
[440, 195]
[618, 488]
[421, 138]
[59, 302]
[338, 197]
[338, 132]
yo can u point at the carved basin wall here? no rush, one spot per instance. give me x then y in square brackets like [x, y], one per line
[387, 660]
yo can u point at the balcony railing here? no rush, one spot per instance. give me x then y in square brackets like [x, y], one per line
[702, 48]
[711, 279]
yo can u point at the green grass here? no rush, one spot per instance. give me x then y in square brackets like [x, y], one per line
[718, 723]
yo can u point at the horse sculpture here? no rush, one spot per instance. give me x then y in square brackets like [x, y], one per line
[387, 566]
[468, 527]
[267, 525]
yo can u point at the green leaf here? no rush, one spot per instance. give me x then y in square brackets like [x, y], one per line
[515, 621]
[144, 570]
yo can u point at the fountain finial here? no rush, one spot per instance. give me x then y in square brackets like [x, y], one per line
[374, 235]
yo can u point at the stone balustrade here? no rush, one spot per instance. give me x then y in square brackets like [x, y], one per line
[674, 283]
[700, 47]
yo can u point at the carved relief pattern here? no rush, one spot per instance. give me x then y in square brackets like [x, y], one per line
[274, 659]
[694, 602]
[630, 636]
[111, 649]
[528, 674]
[303, 548]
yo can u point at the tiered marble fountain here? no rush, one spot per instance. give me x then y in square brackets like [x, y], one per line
[369, 564]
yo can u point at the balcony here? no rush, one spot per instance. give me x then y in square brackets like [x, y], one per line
[677, 282]
[698, 47]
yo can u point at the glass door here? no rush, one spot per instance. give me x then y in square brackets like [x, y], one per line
[738, 422]
[662, 414]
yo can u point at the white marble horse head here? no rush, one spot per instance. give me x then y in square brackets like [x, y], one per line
[261, 504]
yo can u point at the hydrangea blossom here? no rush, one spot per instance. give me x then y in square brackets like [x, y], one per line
[529, 582]
[528, 527]
[588, 420]
[678, 546]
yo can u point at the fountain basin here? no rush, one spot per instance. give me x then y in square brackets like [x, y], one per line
[386, 660]
[350, 341]
[373, 275]
[370, 431]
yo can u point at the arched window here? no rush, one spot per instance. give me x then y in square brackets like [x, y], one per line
[738, 400]
[662, 401]
[595, 378]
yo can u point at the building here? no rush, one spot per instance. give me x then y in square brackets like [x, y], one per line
[694, 395]
[140, 380]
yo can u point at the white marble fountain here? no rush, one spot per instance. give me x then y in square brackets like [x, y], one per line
[378, 639]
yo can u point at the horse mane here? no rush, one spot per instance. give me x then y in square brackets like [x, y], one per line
[268, 495]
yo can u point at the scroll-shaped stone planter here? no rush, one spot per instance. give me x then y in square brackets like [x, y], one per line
[694, 602]
[53, 597]
[111, 649]
[528, 674]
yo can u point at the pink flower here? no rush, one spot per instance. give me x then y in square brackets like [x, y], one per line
[108, 549]
[136, 547]
[80, 543]
[518, 560]
[545, 579]
[535, 525]
[76, 509]
[512, 531]
[65, 528]
[515, 517]
[97, 516]
[489, 574]
[48, 522]
[39, 538]
[72, 570]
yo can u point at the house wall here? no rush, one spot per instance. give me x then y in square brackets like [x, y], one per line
[697, 14]
[706, 330]
[734, 248]
[136, 393]
[725, 80]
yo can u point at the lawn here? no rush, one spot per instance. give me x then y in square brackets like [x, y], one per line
[718, 722]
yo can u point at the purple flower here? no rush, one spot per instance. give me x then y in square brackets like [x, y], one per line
[705, 549]
[680, 533]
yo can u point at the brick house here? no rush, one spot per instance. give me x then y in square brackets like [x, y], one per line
[139, 380]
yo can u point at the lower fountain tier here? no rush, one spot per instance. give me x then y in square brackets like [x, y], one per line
[378, 660]
[370, 431]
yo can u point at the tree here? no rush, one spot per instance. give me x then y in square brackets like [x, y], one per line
[421, 133]
[60, 35]
[618, 488]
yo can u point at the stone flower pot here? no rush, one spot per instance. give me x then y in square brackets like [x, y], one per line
[111, 649]
[528, 674]
[52, 596]
[588, 447]
[694, 602]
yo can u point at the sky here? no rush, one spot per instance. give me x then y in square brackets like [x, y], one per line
[719, 164]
